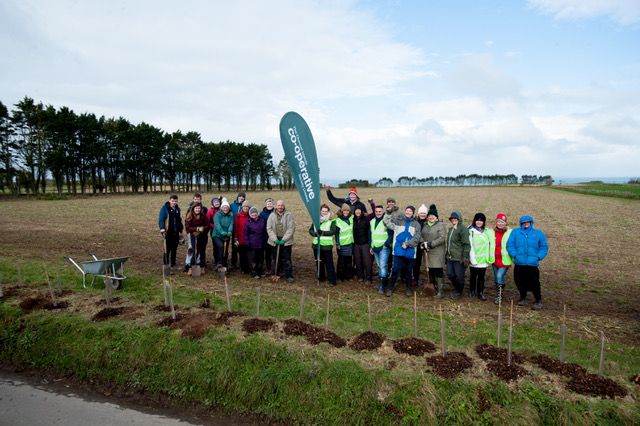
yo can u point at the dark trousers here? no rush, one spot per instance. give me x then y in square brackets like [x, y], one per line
[363, 259]
[476, 280]
[401, 266]
[327, 270]
[435, 273]
[234, 256]
[345, 268]
[200, 250]
[455, 272]
[172, 240]
[221, 250]
[284, 261]
[256, 260]
[269, 253]
[243, 256]
[527, 278]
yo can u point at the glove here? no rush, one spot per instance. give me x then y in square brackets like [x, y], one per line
[162, 231]
[236, 242]
[200, 228]
[404, 246]
[424, 246]
[370, 200]
[280, 242]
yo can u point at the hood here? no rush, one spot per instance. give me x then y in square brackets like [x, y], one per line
[525, 218]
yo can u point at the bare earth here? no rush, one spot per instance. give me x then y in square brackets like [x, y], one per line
[592, 264]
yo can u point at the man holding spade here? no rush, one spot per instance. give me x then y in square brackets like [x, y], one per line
[171, 227]
[280, 229]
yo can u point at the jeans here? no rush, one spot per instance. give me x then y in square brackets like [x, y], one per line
[455, 272]
[499, 275]
[382, 258]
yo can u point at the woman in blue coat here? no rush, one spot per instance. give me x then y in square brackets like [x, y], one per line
[527, 246]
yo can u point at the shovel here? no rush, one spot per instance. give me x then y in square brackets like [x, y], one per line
[222, 270]
[195, 269]
[275, 277]
[166, 268]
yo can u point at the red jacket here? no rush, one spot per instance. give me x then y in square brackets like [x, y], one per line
[238, 226]
[499, 234]
[211, 212]
[193, 222]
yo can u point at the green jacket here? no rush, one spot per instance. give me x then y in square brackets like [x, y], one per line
[458, 245]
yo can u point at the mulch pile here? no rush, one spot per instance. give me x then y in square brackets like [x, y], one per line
[314, 335]
[107, 313]
[225, 317]
[254, 325]
[451, 365]
[557, 367]
[592, 384]
[506, 372]
[492, 353]
[41, 302]
[191, 325]
[413, 346]
[367, 341]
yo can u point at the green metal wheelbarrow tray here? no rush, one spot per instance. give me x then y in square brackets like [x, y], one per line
[111, 269]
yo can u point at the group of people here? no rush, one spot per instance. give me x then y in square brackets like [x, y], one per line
[260, 241]
[400, 243]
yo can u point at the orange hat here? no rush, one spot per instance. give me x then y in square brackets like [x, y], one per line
[354, 190]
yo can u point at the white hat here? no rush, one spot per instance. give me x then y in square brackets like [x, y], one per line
[224, 203]
[423, 209]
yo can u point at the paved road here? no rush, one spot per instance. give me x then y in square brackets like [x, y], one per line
[29, 401]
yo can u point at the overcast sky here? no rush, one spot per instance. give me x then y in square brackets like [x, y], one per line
[389, 88]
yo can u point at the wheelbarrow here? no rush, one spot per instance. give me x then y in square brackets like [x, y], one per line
[112, 268]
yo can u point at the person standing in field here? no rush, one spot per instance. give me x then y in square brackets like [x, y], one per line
[171, 227]
[481, 254]
[502, 259]
[352, 199]
[239, 240]
[406, 237]
[434, 236]
[211, 213]
[198, 228]
[236, 206]
[362, 243]
[458, 248]
[223, 233]
[527, 246]
[255, 236]
[325, 237]
[268, 250]
[281, 227]
[421, 218]
[197, 199]
[344, 243]
[381, 238]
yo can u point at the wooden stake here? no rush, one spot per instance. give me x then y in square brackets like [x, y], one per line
[170, 294]
[443, 335]
[326, 319]
[258, 302]
[510, 335]
[415, 315]
[601, 365]
[226, 292]
[499, 338]
[370, 313]
[165, 289]
[563, 333]
[53, 296]
[107, 291]
[302, 301]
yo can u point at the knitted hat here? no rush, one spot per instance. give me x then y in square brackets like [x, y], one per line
[242, 194]
[354, 190]
[454, 215]
[245, 203]
[432, 210]
[501, 216]
[224, 203]
[214, 199]
[253, 209]
[391, 200]
[413, 209]
[268, 199]
[479, 216]
[422, 209]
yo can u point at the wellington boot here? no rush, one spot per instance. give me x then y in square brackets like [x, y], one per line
[439, 287]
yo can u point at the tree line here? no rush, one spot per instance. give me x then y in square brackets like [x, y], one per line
[467, 180]
[80, 153]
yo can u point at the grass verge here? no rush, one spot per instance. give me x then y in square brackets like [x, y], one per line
[628, 191]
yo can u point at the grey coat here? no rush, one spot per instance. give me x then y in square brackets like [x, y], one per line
[289, 228]
[436, 237]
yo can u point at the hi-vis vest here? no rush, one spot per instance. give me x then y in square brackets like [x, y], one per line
[325, 240]
[379, 233]
[482, 247]
[346, 231]
[506, 259]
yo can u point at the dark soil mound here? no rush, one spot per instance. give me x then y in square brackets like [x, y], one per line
[506, 372]
[555, 366]
[367, 341]
[413, 346]
[492, 353]
[8, 292]
[321, 335]
[636, 379]
[195, 325]
[104, 302]
[294, 327]
[591, 384]
[450, 366]
[254, 325]
[169, 322]
[162, 308]
[41, 302]
[224, 317]
[107, 313]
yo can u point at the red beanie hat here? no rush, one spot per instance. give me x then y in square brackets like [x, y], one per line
[354, 190]
[501, 216]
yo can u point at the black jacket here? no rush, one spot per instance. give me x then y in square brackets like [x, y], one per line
[340, 201]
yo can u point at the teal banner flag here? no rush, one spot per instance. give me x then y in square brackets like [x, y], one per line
[300, 152]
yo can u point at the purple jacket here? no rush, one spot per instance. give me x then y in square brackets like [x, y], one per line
[254, 233]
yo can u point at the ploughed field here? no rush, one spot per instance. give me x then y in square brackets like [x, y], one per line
[591, 266]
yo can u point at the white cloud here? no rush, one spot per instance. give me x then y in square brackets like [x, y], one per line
[623, 12]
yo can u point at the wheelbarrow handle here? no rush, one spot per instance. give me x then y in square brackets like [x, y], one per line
[74, 263]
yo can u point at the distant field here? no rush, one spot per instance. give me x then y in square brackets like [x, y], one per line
[631, 191]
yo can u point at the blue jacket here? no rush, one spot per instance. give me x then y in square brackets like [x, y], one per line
[527, 246]
[236, 207]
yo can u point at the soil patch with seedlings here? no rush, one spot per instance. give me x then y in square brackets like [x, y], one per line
[506, 372]
[320, 335]
[41, 302]
[413, 346]
[254, 325]
[592, 384]
[294, 327]
[162, 308]
[492, 353]
[107, 313]
[367, 341]
[224, 317]
[451, 365]
[557, 367]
